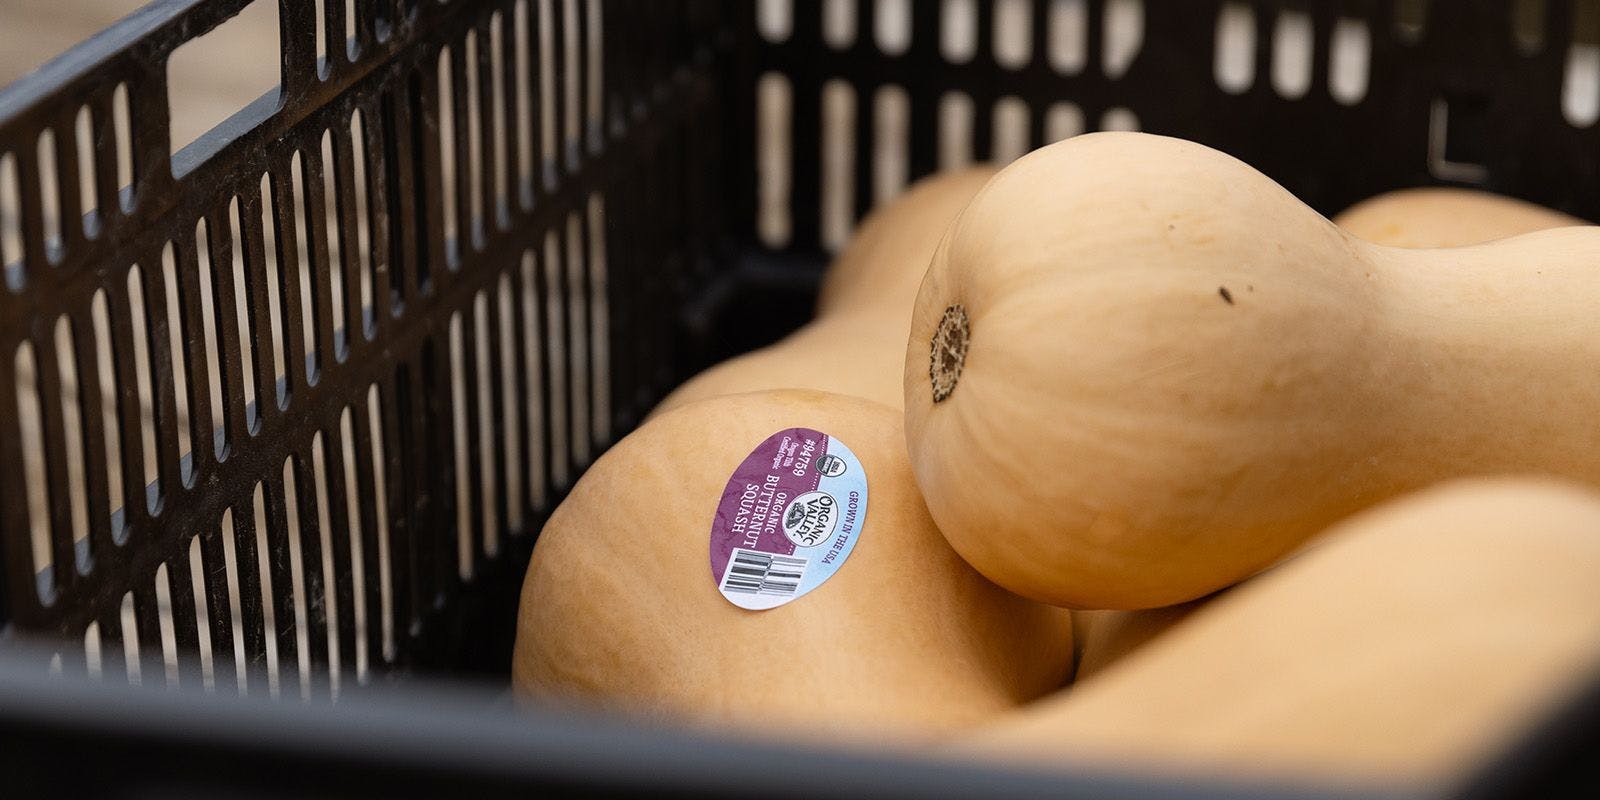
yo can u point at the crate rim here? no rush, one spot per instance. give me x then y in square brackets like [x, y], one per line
[433, 729]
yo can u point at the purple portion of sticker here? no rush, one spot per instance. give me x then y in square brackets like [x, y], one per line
[750, 514]
[788, 518]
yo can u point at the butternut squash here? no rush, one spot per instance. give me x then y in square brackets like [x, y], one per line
[1103, 637]
[1417, 640]
[1106, 636]
[857, 342]
[619, 610]
[1140, 371]
[880, 268]
[1446, 217]
[852, 354]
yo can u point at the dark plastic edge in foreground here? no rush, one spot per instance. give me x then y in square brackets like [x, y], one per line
[436, 739]
[1558, 757]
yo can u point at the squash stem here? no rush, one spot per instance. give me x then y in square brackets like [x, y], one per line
[948, 351]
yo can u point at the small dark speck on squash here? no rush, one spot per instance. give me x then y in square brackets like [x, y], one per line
[1227, 296]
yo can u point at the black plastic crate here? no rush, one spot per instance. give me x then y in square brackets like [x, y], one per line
[602, 225]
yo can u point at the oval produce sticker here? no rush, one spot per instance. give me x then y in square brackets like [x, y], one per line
[788, 518]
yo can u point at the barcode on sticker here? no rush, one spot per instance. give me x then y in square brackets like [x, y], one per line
[755, 572]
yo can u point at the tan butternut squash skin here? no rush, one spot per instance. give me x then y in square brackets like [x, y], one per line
[619, 609]
[880, 268]
[1418, 639]
[1106, 637]
[1177, 372]
[1446, 217]
[852, 354]
[856, 345]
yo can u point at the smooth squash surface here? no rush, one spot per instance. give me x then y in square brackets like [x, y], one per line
[1446, 217]
[619, 609]
[1415, 641]
[852, 354]
[856, 345]
[880, 268]
[1140, 371]
[1106, 637]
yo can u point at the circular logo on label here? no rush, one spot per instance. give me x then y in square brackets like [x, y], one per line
[810, 518]
[831, 466]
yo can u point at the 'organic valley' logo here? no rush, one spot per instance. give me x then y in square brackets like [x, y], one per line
[810, 519]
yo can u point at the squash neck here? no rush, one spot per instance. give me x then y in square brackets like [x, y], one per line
[1496, 349]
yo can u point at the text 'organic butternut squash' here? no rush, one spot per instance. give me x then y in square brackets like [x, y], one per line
[1140, 371]
[621, 608]
[1415, 641]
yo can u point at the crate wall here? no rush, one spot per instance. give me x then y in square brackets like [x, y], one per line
[296, 395]
[1336, 100]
